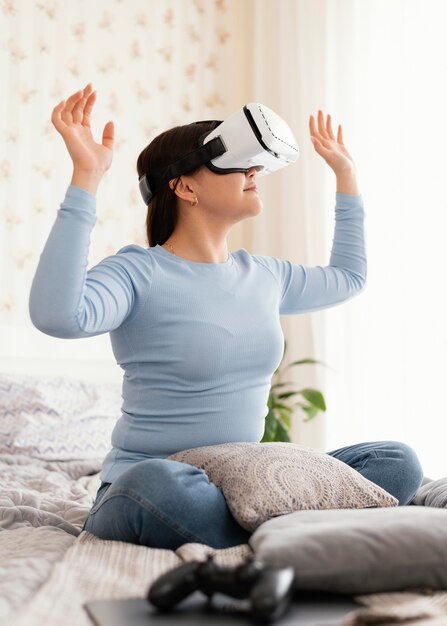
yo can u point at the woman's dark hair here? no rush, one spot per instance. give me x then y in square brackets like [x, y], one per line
[169, 146]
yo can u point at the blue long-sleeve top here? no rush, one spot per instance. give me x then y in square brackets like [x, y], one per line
[198, 342]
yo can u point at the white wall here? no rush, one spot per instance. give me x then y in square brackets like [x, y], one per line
[25, 350]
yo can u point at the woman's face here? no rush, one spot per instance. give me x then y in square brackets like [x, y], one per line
[227, 194]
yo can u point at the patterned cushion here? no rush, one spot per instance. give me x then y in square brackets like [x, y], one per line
[57, 418]
[264, 480]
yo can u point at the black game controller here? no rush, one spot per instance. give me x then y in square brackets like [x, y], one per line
[269, 590]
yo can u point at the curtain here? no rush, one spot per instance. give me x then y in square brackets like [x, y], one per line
[378, 67]
[290, 75]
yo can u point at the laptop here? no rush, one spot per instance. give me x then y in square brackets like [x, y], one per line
[307, 609]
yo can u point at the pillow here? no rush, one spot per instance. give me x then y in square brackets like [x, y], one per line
[57, 418]
[264, 480]
[359, 551]
[432, 493]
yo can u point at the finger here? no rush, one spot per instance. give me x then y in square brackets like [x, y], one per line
[88, 109]
[56, 116]
[315, 133]
[329, 127]
[108, 135]
[340, 135]
[321, 127]
[66, 115]
[319, 146]
[326, 142]
[78, 109]
[313, 128]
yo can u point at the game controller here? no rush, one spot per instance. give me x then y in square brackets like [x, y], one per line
[268, 589]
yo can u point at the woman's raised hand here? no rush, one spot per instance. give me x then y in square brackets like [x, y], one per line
[332, 150]
[71, 119]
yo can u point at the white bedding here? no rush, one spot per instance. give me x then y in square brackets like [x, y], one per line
[49, 568]
[47, 565]
[43, 505]
[27, 557]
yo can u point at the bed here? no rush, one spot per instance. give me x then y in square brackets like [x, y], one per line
[54, 431]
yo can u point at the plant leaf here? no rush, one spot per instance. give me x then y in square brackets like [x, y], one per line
[279, 385]
[278, 405]
[271, 424]
[279, 417]
[315, 397]
[279, 412]
[288, 394]
[281, 434]
[286, 419]
[311, 412]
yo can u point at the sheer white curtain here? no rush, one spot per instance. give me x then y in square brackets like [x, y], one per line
[290, 75]
[378, 67]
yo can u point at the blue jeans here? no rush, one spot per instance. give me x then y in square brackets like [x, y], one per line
[161, 503]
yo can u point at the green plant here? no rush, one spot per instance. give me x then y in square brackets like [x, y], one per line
[279, 418]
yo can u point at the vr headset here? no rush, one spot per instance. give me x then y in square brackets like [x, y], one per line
[254, 136]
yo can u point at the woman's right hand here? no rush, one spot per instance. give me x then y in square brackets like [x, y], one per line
[71, 119]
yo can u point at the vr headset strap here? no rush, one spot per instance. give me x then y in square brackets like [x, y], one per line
[150, 185]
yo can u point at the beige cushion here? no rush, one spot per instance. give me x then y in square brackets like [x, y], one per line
[264, 480]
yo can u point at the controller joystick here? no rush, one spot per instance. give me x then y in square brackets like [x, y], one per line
[268, 589]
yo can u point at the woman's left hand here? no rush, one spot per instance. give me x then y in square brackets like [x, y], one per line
[332, 150]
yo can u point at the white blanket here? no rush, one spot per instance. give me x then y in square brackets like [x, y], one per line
[43, 506]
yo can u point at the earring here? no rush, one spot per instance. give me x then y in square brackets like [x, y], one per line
[195, 203]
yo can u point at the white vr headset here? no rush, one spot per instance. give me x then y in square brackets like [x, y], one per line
[254, 136]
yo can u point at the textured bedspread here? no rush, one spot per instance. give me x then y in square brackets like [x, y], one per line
[93, 568]
[43, 506]
[49, 567]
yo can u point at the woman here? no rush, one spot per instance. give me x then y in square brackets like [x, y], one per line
[195, 328]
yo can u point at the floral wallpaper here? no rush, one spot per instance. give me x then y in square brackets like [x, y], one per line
[153, 63]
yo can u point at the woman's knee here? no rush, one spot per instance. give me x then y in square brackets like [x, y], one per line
[164, 503]
[115, 518]
[393, 465]
[160, 476]
[413, 468]
[169, 489]
[406, 471]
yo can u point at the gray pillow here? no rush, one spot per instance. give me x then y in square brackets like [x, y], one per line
[359, 551]
[433, 493]
[264, 480]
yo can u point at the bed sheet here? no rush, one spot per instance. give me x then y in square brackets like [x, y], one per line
[43, 505]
